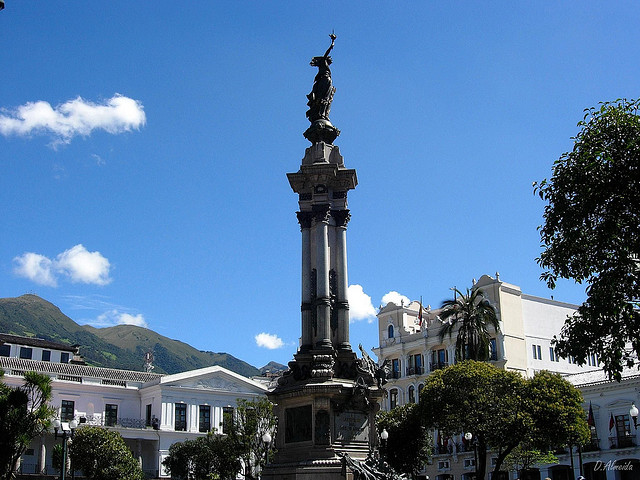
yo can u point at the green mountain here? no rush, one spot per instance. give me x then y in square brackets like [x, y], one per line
[122, 346]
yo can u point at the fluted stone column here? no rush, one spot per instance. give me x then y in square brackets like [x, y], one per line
[305, 218]
[323, 303]
[341, 218]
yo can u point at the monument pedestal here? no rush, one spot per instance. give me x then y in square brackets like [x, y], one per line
[318, 420]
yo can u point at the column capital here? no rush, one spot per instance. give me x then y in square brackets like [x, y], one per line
[341, 217]
[321, 213]
[304, 219]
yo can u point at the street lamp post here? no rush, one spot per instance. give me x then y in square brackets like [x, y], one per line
[469, 437]
[633, 413]
[266, 439]
[384, 436]
[66, 434]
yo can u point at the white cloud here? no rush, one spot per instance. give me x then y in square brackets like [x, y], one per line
[115, 317]
[396, 298]
[128, 319]
[83, 266]
[75, 117]
[360, 306]
[268, 340]
[76, 263]
[35, 267]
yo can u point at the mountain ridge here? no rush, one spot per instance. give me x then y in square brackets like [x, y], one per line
[120, 346]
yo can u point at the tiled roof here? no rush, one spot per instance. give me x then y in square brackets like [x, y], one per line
[71, 370]
[36, 342]
[596, 377]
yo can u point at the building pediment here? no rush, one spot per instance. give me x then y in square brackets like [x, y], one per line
[214, 378]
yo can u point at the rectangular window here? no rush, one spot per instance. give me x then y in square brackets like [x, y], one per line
[395, 368]
[444, 465]
[26, 353]
[493, 349]
[551, 354]
[537, 352]
[67, 410]
[181, 417]
[147, 418]
[64, 357]
[415, 365]
[205, 419]
[227, 419]
[46, 355]
[110, 414]
[592, 360]
[5, 350]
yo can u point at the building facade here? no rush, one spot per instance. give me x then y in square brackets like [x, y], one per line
[150, 411]
[410, 343]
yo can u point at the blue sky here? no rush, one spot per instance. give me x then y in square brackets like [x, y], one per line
[144, 147]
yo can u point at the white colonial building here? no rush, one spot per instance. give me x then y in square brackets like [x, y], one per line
[150, 411]
[413, 349]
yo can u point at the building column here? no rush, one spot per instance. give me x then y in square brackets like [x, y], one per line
[341, 218]
[305, 218]
[42, 459]
[323, 301]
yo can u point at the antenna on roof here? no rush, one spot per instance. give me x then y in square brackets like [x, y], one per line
[148, 362]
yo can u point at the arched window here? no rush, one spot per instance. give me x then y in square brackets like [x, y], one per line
[393, 398]
[412, 394]
[390, 331]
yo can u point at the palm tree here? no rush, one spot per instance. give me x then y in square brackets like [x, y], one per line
[472, 315]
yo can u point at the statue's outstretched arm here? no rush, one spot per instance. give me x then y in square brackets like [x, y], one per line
[333, 39]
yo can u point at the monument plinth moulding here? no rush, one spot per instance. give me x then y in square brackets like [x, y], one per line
[327, 400]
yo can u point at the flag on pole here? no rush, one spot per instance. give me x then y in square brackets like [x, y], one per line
[590, 420]
[420, 313]
[611, 423]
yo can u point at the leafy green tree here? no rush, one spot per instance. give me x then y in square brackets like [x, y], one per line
[479, 398]
[409, 445]
[102, 454]
[212, 457]
[591, 234]
[24, 415]
[555, 406]
[503, 410]
[252, 419]
[523, 457]
[472, 315]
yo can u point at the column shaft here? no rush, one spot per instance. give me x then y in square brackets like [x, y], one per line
[323, 307]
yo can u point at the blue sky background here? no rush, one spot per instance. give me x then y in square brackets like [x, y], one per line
[174, 211]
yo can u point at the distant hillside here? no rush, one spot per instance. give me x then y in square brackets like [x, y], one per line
[122, 346]
[273, 367]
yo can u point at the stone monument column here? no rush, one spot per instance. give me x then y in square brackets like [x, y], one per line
[307, 315]
[341, 218]
[327, 400]
[323, 300]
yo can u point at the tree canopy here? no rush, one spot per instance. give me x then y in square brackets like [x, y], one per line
[502, 409]
[408, 447]
[102, 454]
[24, 415]
[472, 315]
[223, 456]
[591, 234]
[213, 456]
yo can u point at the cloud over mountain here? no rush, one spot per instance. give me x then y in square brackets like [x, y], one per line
[77, 264]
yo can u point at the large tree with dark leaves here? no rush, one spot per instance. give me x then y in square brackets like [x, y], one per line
[24, 415]
[591, 234]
